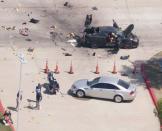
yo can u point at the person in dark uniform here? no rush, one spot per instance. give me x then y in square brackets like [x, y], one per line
[88, 20]
[50, 77]
[38, 96]
[115, 24]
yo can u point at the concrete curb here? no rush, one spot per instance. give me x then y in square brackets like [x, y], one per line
[148, 85]
[2, 109]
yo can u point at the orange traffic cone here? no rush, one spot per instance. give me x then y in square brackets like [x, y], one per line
[114, 69]
[56, 71]
[71, 69]
[46, 70]
[97, 69]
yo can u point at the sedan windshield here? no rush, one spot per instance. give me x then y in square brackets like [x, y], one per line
[123, 84]
[94, 81]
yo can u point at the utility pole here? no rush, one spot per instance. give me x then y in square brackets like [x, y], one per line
[22, 61]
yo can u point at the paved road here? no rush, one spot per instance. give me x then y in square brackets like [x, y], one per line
[67, 113]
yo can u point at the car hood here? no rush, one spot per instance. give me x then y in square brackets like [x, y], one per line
[80, 83]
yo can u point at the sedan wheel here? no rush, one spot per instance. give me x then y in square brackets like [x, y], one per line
[118, 99]
[80, 93]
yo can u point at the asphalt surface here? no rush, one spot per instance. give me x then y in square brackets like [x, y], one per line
[66, 112]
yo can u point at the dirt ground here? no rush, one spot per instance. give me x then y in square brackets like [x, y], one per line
[64, 112]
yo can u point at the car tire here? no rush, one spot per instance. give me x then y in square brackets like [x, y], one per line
[80, 93]
[118, 98]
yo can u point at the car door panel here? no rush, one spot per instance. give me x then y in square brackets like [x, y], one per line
[96, 91]
[109, 91]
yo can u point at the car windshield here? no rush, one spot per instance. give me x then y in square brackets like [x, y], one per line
[123, 84]
[94, 81]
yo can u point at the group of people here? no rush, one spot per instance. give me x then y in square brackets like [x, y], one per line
[52, 88]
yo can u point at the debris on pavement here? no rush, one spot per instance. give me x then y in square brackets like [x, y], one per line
[67, 54]
[28, 39]
[24, 23]
[52, 27]
[67, 4]
[124, 57]
[71, 35]
[94, 8]
[73, 42]
[30, 49]
[63, 49]
[24, 31]
[94, 53]
[2, 0]
[34, 21]
[8, 28]
[124, 74]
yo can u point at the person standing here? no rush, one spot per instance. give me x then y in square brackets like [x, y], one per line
[38, 95]
[18, 99]
[88, 20]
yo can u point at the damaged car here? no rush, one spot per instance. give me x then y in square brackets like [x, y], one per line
[109, 36]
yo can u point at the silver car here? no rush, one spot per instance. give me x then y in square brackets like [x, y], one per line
[104, 87]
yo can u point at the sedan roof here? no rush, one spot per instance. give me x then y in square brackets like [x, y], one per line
[108, 79]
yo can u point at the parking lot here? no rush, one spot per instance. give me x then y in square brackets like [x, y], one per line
[62, 112]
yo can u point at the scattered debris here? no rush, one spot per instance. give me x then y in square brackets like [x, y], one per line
[94, 8]
[71, 35]
[30, 49]
[94, 53]
[124, 57]
[35, 21]
[8, 28]
[73, 42]
[24, 31]
[124, 74]
[67, 4]
[53, 27]
[2, 0]
[67, 54]
[63, 49]
[28, 39]
[24, 23]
